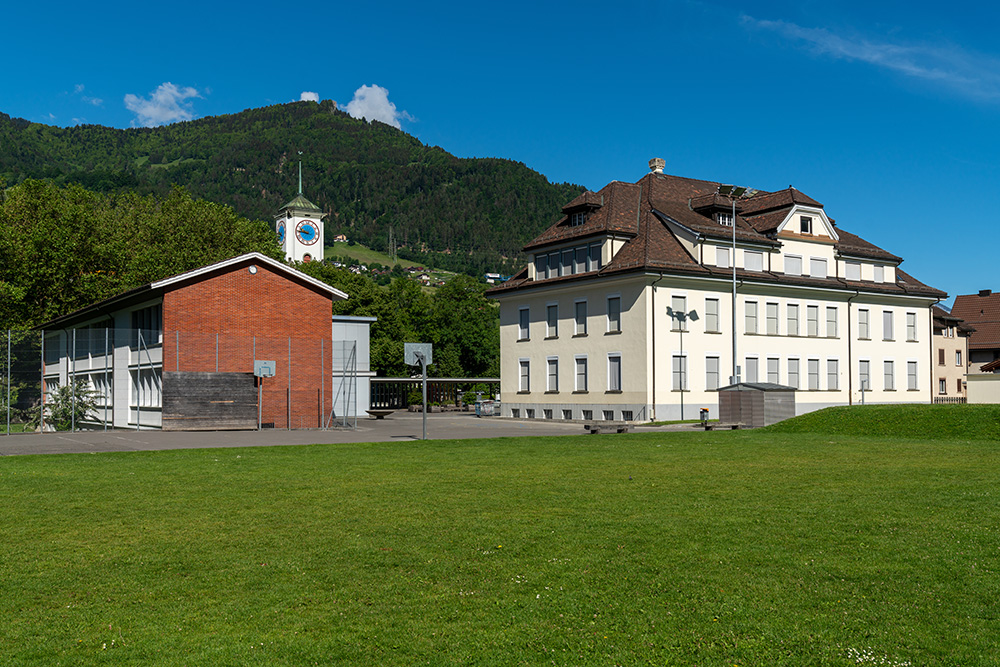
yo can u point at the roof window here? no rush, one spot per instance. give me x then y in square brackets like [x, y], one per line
[725, 219]
[577, 219]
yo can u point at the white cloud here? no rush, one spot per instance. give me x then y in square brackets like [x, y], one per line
[372, 103]
[969, 74]
[78, 90]
[307, 96]
[167, 104]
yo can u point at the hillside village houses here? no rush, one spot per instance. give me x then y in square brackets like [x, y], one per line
[646, 297]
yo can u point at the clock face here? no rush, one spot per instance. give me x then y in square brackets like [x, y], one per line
[281, 232]
[307, 232]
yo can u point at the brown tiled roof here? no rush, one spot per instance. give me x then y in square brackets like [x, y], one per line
[586, 200]
[991, 367]
[982, 313]
[642, 212]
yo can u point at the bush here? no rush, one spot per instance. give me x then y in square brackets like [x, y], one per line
[415, 398]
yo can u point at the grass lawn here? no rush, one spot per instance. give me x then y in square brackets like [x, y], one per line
[735, 548]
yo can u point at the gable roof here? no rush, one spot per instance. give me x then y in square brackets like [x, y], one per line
[650, 213]
[157, 288]
[981, 311]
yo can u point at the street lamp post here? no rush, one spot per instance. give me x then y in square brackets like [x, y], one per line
[682, 319]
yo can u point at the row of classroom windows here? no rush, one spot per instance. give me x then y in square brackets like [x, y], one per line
[807, 375]
[814, 326]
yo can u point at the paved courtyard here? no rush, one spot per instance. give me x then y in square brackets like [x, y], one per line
[398, 426]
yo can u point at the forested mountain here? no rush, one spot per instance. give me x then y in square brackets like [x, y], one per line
[469, 214]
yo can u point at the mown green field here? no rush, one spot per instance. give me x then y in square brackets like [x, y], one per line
[737, 548]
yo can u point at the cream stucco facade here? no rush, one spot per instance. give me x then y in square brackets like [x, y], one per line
[604, 324]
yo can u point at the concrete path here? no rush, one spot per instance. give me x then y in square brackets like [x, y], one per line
[398, 426]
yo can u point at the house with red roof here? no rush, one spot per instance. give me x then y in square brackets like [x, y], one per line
[645, 298]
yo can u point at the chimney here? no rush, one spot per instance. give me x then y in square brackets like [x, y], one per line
[657, 164]
[985, 292]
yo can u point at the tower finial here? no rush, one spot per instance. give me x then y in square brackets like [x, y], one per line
[300, 172]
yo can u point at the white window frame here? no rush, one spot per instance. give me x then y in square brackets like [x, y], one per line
[710, 374]
[580, 379]
[771, 318]
[750, 317]
[773, 370]
[552, 375]
[831, 321]
[751, 362]
[833, 374]
[812, 321]
[713, 322]
[615, 372]
[887, 325]
[818, 267]
[614, 323]
[722, 259]
[812, 372]
[864, 324]
[793, 265]
[912, 377]
[792, 319]
[889, 375]
[911, 327]
[580, 324]
[794, 372]
[524, 323]
[852, 271]
[552, 323]
[678, 372]
[524, 376]
[753, 260]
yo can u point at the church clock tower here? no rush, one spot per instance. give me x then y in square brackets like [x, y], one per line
[299, 225]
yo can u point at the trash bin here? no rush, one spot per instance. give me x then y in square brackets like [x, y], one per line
[703, 415]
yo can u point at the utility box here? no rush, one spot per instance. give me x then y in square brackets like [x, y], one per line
[755, 404]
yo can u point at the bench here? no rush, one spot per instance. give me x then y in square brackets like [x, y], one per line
[379, 414]
[607, 427]
[711, 426]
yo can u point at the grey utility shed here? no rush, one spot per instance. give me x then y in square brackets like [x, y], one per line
[755, 404]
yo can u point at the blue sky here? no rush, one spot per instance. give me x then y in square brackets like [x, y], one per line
[887, 112]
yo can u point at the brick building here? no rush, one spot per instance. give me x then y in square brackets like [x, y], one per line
[181, 353]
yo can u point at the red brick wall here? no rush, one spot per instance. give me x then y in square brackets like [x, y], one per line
[223, 321]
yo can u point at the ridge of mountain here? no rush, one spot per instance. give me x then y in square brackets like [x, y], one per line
[465, 214]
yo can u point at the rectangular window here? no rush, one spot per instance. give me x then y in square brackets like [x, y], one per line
[567, 262]
[832, 374]
[515, 413]
[942, 386]
[567, 414]
[679, 368]
[887, 325]
[581, 374]
[712, 315]
[529, 413]
[678, 305]
[812, 320]
[524, 319]
[552, 320]
[594, 262]
[853, 271]
[525, 383]
[553, 265]
[958, 386]
[614, 313]
[958, 357]
[863, 332]
[609, 415]
[793, 373]
[751, 317]
[588, 414]
[813, 374]
[725, 219]
[541, 266]
[773, 373]
[751, 369]
[911, 375]
[793, 320]
[547, 413]
[552, 383]
[711, 372]
[580, 259]
[805, 224]
[817, 267]
[771, 313]
[793, 265]
[831, 322]
[911, 326]
[581, 318]
[753, 260]
[879, 273]
[889, 373]
[147, 327]
[614, 372]
[722, 257]
[940, 356]
[864, 375]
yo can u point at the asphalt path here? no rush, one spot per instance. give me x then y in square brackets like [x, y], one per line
[399, 426]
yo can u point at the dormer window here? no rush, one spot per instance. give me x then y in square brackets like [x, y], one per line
[577, 219]
[805, 224]
[725, 219]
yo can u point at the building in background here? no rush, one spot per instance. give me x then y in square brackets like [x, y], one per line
[981, 312]
[951, 356]
[627, 308]
[181, 353]
[299, 226]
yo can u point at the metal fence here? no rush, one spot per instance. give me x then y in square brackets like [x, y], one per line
[104, 378]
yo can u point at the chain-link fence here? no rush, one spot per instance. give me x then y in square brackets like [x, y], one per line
[105, 378]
